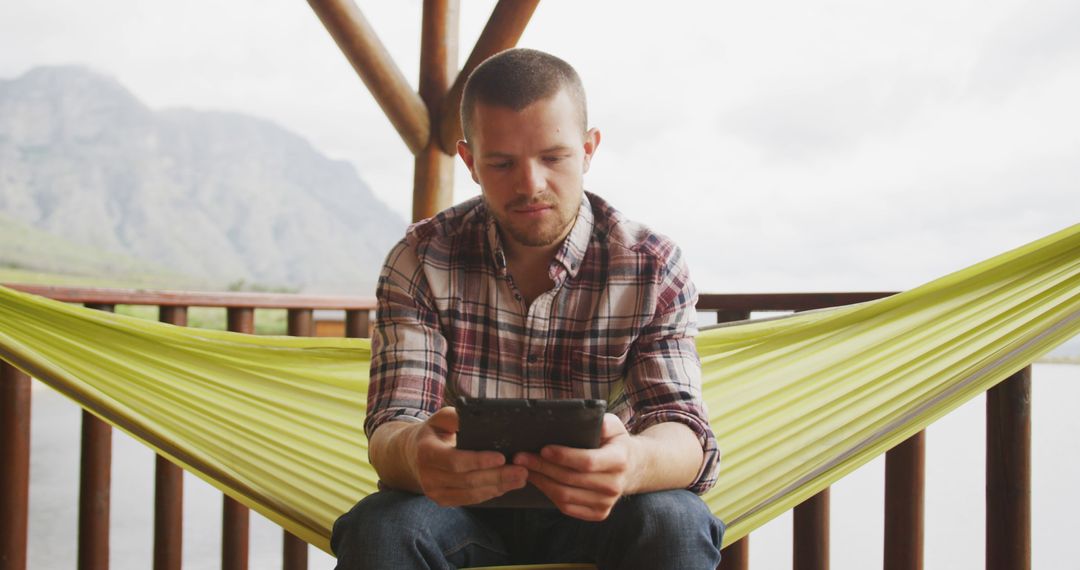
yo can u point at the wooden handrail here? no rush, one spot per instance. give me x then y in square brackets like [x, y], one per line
[783, 301]
[196, 298]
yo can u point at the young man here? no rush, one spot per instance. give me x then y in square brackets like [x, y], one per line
[536, 289]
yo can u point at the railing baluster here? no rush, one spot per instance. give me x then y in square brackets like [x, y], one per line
[169, 487]
[235, 516]
[95, 479]
[737, 555]
[294, 551]
[811, 540]
[1008, 473]
[358, 323]
[904, 499]
[15, 456]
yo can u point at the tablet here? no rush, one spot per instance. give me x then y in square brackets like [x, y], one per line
[510, 425]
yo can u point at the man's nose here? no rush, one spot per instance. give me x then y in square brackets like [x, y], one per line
[532, 178]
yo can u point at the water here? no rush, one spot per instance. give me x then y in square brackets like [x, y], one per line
[954, 495]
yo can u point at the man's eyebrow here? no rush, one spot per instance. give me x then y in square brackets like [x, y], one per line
[557, 148]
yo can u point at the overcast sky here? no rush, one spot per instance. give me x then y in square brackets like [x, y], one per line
[829, 145]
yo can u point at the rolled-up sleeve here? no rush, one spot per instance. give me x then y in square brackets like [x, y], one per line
[664, 373]
[408, 351]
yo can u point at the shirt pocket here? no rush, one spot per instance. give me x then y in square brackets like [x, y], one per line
[598, 376]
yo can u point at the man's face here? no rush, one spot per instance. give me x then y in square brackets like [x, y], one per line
[530, 165]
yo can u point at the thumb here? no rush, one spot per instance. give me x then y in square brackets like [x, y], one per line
[444, 420]
[612, 427]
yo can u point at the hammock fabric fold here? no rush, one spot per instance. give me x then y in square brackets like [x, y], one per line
[796, 402]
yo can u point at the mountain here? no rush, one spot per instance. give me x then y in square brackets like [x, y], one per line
[213, 195]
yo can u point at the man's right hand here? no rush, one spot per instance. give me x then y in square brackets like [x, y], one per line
[453, 477]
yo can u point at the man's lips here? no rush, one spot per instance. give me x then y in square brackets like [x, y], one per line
[532, 209]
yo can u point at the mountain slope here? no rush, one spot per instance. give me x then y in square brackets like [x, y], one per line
[218, 196]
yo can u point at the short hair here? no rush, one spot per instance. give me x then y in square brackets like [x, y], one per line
[517, 78]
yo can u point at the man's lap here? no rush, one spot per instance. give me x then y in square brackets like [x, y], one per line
[399, 529]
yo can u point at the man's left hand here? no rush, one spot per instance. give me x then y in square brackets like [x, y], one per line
[586, 483]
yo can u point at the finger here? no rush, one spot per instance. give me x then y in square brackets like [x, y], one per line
[502, 478]
[602, 460]
[573, 501]
[474, 487]
[601, 482]
[438, 454]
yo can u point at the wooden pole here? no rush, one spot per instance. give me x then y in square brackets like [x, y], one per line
[15, 457]
[294, 551]
[812, 533]
[502, 31]
[1008, 473]
[904, 491]
[169, 487]
[736, 556]
[95, 478]
[433, 174]
[376, 68]
[235, 516]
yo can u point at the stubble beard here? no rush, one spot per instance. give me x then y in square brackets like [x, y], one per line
[542, 235]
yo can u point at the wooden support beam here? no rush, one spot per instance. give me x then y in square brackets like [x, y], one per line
[904, 492]
[1008, 473]
[502, 31]
[368, 56]
[433, 173]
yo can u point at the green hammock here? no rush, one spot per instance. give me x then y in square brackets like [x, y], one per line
[796, 402]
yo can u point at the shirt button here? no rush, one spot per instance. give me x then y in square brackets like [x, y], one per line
[532, 359]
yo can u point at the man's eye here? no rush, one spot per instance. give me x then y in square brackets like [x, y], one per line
[553, 158]
[499, 165]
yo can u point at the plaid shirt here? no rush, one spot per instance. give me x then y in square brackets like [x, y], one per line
[618, 325]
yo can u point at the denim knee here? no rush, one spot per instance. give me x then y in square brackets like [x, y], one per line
[669, 529]
[385, 521]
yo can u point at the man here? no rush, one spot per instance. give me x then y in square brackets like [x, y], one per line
[536, 289]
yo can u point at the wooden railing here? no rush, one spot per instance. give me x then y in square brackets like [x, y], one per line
[1008, 487]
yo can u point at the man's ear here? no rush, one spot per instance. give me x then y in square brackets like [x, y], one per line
[467, 157]
[592, 141]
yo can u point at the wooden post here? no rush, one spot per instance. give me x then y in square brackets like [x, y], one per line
[15, 475]
[169, 487]
[1008, 473]
[502, 31]
[812, 533]
[358, 323]
[433, 173]
[235, 516]
[95, 478]
[294, 552]
[736, 556]
[904, 486]
[373, 63]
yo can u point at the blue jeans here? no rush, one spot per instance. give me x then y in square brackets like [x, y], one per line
[396, 530]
